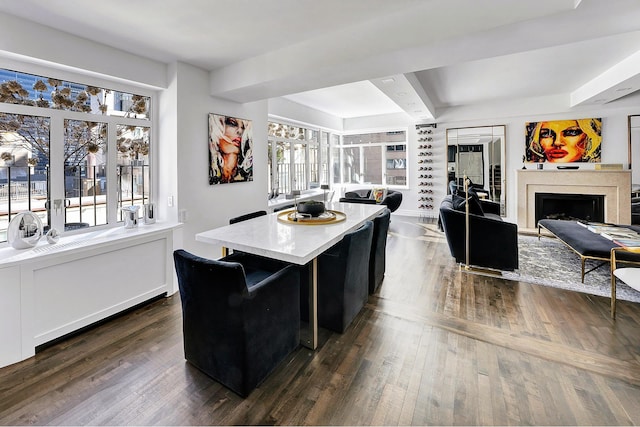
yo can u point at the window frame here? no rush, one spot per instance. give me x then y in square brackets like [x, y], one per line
[323, 153]
[384, 149]
[56, 155]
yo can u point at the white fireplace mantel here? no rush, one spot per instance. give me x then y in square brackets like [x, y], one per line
[614, 185]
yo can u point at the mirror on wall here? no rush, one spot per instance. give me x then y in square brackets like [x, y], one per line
[634, 150]
[479, 153]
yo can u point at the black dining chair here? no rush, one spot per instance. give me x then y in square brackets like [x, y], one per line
[239, 321]
[245, 217]
[343, 279]
[240, 255]
[377, 261]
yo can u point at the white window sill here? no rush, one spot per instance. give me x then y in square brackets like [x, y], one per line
[80, 241]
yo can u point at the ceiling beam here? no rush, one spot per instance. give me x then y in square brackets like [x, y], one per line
[406, 92]
[618, 81]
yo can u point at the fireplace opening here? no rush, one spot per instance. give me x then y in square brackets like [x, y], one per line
[570, 207]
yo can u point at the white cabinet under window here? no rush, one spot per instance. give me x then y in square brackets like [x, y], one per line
[52, 290]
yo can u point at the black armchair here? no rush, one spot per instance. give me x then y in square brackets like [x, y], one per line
[239, 322]
[493, 243]
[343, 277]
[378, 250]
[393, 200]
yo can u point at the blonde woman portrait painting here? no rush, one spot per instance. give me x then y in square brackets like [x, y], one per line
[230, 149]
[564, 141]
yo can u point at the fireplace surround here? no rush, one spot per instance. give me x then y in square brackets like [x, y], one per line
[614, 185]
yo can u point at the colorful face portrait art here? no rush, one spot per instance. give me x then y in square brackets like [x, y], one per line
[230, 149]
[563, 141]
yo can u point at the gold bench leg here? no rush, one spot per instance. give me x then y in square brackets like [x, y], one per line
[613, 296]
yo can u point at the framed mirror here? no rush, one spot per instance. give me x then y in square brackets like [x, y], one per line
[479, 153]
[634, 155]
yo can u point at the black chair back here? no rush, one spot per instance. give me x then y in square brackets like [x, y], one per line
[237, 326]
[377, 262]
[343, 279]
[247, 216]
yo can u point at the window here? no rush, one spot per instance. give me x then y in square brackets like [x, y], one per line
[89, 122]
[24, 167]
[133, 166]
[298, 158]
[85, 161]
[372, 158]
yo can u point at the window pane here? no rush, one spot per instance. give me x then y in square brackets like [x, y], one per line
[283, 156]
[85, 161]
[335, 165]
[396, 173]
[384, 158]
[375, 138]
[24, 164]
[351, 169]
[133, 166]
[324, 158]
[299, 167]
[314, 164]
[270, 169]
[372, 173]
[29, 89]
[280, 130]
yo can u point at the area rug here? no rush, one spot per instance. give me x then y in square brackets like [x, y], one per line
[550, 262]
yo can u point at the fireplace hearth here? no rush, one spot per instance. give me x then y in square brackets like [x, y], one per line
[572, 207]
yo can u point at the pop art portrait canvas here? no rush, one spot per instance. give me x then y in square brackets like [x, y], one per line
[563, 141]
[230, 149]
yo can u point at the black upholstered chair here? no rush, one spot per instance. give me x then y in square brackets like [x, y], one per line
[343, 279]
[239, 321]
[377, 259]
[493, 243]
[393, 200]
[247, 216]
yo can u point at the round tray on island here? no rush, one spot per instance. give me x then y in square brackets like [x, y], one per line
[291, 216]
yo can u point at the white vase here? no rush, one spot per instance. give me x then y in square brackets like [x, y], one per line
[24, 231]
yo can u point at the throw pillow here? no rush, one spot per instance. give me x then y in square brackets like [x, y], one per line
[474, 203]
[378, 194]
[459, 203]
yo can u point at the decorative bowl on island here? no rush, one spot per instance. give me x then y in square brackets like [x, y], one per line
[311, 207]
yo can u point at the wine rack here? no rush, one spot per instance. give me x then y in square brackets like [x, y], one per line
[426, 169]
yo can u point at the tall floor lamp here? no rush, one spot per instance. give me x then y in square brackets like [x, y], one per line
[467, 267]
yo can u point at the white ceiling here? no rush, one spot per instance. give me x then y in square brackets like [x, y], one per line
[368, 57]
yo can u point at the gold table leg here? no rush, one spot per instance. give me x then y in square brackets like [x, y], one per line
[312, 341]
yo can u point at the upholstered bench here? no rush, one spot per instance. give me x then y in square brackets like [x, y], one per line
[584, 242]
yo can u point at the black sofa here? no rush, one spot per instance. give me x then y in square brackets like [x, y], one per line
[493, 243]
[392, 200]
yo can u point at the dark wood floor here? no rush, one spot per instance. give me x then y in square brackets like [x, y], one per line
[435, 346]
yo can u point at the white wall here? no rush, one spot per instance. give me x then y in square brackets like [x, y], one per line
[207, 206]
[28, 41]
